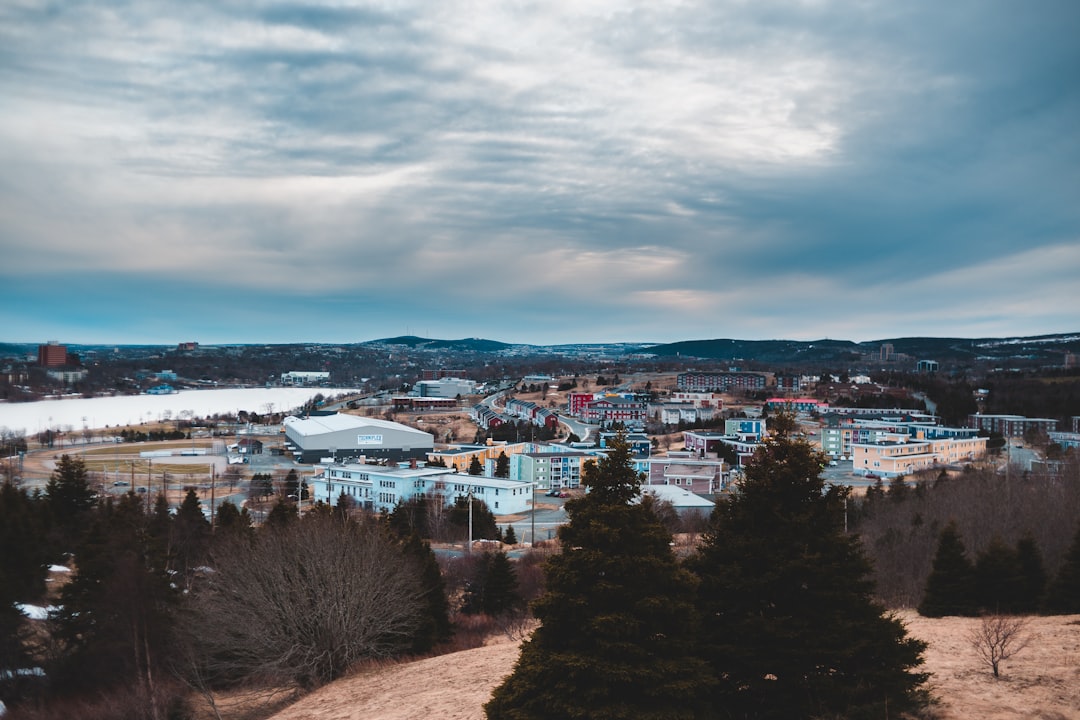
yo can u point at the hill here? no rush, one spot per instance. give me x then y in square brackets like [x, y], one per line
[1044, 347]
[478, 345]
[1041, 682]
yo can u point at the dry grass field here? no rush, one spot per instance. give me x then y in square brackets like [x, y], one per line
[1041, 683]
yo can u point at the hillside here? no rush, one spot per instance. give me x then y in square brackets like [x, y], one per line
[1041, 682]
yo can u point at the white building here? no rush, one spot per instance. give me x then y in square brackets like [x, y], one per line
[378, 488]
[342, 437]
[445, 388]
[297, 377]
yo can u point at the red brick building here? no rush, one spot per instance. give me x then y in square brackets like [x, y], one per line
[52, 355]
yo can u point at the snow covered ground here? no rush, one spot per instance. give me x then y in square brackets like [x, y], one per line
[95, 413]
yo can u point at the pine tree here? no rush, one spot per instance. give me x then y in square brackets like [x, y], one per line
[898, 490]
[190, 535]
[999, 579]
[281, 515]
[617, 619]
[434, 626]
[70, 497]
[950, 589]
[115, 622]
[790, 627]
[23, 561]
[500, 585]
[510, 537]
[475, 468]
[410, 516]
[233, 521]
[1063, 595]
[483, 520]
[1033, 573]
[493, 588]
[502, 466]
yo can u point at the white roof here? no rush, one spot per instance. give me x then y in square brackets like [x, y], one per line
[677, 496]
[341, 421]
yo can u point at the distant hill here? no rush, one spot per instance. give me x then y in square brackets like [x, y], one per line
[468, 344]
[771, 351]
[1049, 347]
[1040, 349]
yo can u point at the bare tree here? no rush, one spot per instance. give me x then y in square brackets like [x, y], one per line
[998, 638]
[302, 603]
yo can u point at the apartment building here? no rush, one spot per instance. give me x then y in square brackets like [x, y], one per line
[1011, 425]
[721, 381]
[379, 488]
[899, 454]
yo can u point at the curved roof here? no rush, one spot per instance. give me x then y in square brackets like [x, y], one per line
[341, 421]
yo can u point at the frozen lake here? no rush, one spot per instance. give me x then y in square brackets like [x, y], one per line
[94, 413]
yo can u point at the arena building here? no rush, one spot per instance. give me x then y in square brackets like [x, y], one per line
[350, 437]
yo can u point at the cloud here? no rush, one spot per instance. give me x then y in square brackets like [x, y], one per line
[666, 169]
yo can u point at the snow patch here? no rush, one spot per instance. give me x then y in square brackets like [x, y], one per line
[35, 612]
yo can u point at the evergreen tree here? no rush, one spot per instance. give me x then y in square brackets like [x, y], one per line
[510, 537]
[281, 515]
[1063, 595]
[898, 489]
[790, 626]
[190, 535]
[115, 622]
[232, 520]
[70, 497]
[617, 619]
[1033, 573]
[23, 562]
[410, 516]
[493, 588]
[23, 549]
[500, 585]
[483, 521]
[502, 466]
[434, 625]
[950, 588]
[999, 580]
[475, 468]
[345, 504]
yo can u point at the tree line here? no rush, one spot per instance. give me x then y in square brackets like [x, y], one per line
[162, 606]
[902, 523]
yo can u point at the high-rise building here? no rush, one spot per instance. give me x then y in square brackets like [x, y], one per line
[52, 354]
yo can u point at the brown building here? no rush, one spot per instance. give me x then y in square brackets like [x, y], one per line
[52, 355]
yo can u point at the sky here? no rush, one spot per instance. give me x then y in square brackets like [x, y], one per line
[553, 172]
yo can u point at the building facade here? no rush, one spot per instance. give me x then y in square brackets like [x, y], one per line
[379, 488]
[721, 381]
[901, 455]
[1011, 425]
[52, 355]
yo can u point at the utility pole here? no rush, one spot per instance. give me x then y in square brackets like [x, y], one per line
[213, 477]
[470, 520]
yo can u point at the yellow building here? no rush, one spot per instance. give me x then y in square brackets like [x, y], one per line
[903, 456]
[459, 457]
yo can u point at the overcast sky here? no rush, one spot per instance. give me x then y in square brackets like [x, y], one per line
[538, 172]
